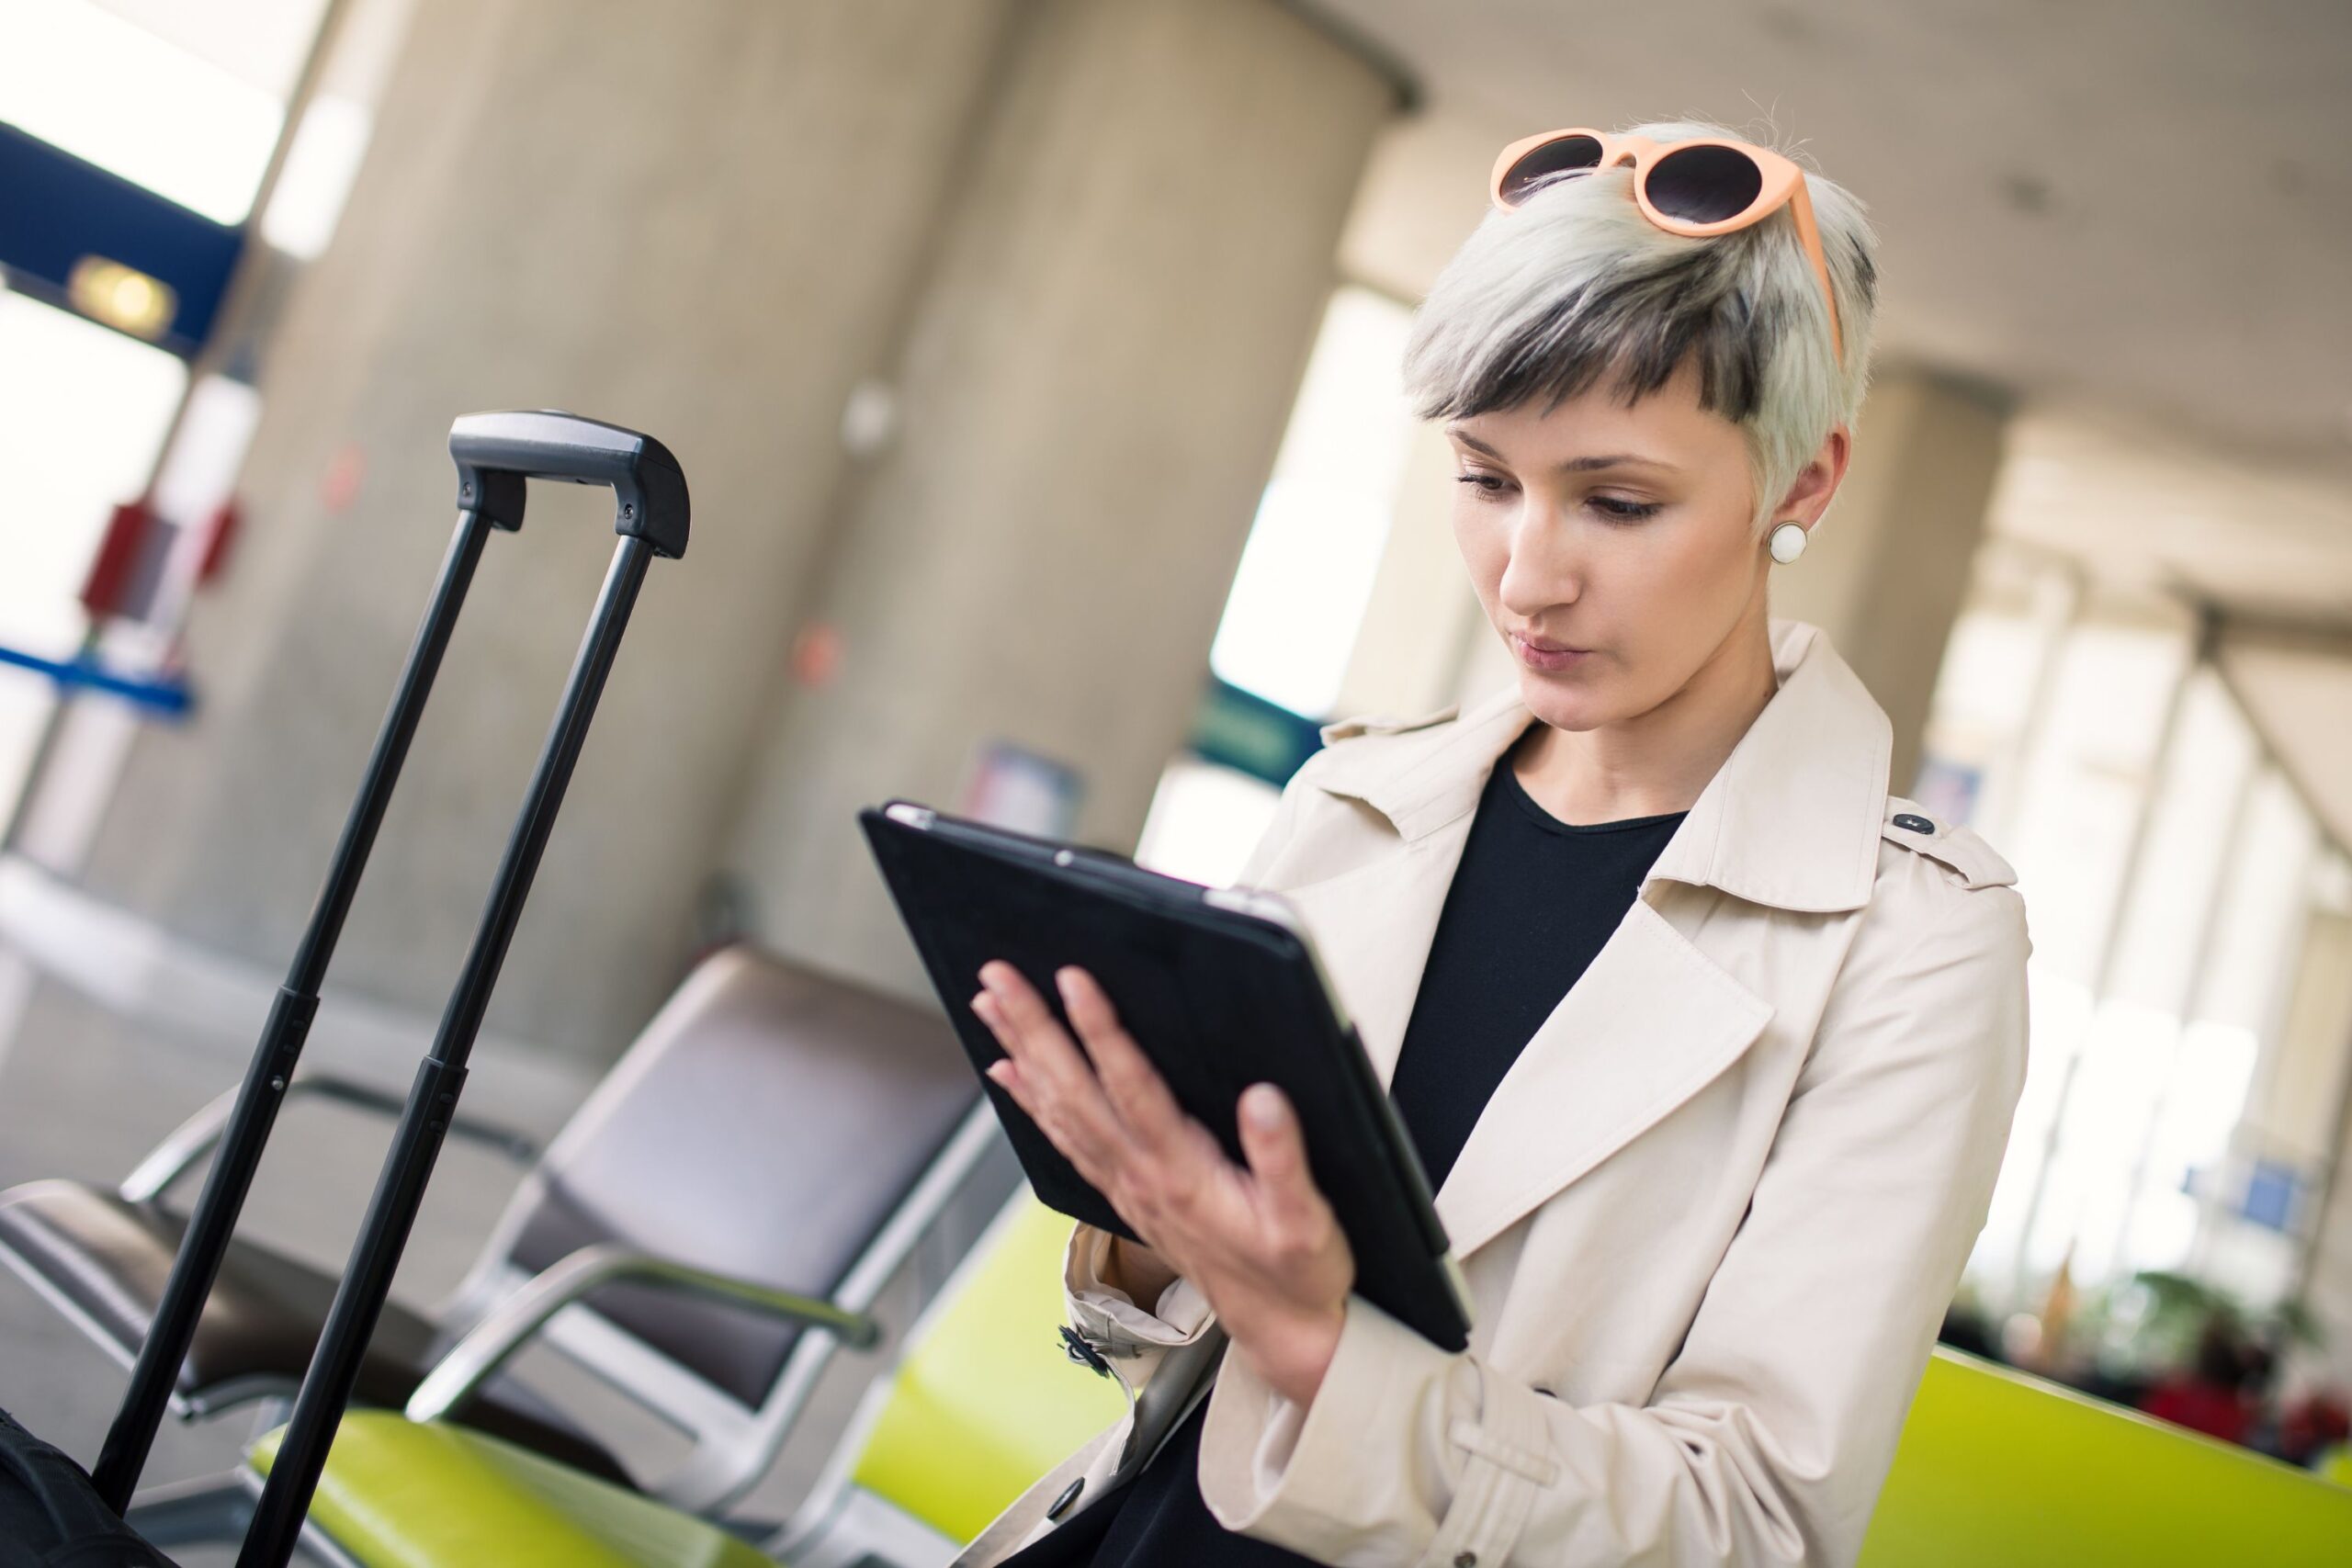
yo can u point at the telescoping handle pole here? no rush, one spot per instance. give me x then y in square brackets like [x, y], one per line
[124, 1453]
[649, 499]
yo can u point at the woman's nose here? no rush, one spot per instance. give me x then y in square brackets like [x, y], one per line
[1539, 573]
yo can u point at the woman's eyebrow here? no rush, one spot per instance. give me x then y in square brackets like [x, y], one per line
[1574, 465]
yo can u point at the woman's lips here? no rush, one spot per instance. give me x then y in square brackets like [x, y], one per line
[1547, 655]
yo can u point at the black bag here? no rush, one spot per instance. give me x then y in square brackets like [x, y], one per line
[52, 1513]
[51, 1517]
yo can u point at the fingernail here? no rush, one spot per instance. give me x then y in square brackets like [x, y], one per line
[1064, 983]
[1263, 1105]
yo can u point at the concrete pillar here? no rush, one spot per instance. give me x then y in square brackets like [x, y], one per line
[2304, 1106]
[703, 220]
[1092, 391]
[1423, 621]
[1886, 574]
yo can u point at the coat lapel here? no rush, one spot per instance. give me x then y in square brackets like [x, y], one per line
[1792, 820]
[1650, 1022]
[1373, 927]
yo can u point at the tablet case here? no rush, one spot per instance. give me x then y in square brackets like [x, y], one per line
[1217, 995]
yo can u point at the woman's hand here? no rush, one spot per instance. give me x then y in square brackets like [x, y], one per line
[1259, 1242]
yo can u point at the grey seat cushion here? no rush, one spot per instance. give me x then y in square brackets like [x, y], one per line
[110, 1256]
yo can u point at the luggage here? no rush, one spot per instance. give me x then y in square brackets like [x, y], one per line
[51, 1514]
[51, 1517]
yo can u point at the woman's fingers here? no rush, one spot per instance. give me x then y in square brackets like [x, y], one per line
[1134, 1086]
[1006, 1076]
[1065, 1100]
[1030, 1033]
[1084, 1156]
[1276, 1150]
[1106, 1107]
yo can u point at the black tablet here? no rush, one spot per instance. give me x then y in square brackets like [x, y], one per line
[1220, 988]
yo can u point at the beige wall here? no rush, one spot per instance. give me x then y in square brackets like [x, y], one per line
[1093, 387]
[1090, 239]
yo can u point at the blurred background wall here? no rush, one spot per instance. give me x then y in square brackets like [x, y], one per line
[1032, 364]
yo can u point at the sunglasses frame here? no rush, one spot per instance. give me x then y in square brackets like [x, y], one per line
[1782, 184]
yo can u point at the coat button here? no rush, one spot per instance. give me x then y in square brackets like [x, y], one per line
[1916, 824]
[1466, 1559]
[1070, 1495]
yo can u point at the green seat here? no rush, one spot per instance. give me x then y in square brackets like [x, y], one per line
[985, 1380]
[398, 1493]
[1993, 1468]
[2335, 1465]
[1997, 1467]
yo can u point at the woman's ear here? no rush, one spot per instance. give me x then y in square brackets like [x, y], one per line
[1818, 481]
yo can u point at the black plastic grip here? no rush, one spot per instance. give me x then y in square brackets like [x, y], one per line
[496, 452]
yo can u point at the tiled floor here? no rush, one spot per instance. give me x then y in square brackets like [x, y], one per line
[83, 1095]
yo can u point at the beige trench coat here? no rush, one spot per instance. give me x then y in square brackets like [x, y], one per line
[1710, 1218]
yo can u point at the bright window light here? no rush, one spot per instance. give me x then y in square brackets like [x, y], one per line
[202, 470]
[115, 95]
[82, 410]
[2117, 1086]
[1204, 820]
[82, 413]
[2060, 1014]
[261, 42]
[320, 166]
[1307, 573]
[2210, 1076]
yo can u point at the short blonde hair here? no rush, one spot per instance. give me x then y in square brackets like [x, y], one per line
[1576, 285]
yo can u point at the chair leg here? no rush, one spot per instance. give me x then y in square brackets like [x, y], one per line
[211, 1510]
[862, 1529]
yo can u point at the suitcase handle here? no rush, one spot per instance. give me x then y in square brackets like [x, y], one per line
[496, 452]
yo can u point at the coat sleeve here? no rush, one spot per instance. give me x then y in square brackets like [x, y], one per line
[1768, 1436]
[1106, 1317]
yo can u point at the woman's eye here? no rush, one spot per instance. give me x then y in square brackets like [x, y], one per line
[1621, 510]
[1616, 508]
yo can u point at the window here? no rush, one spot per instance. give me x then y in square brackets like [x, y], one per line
[1283, 645]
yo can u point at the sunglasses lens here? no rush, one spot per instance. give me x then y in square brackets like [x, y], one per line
[1704, 185]
[1569, 152]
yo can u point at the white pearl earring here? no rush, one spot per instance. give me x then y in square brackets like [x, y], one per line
[1788, 542]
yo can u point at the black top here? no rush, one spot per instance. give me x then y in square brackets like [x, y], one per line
[1532, 902]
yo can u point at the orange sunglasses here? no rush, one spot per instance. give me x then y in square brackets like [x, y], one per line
[1706, 186]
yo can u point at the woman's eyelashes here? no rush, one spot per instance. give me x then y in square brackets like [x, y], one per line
[1615, 509]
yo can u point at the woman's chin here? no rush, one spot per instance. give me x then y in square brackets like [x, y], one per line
[1560, 703]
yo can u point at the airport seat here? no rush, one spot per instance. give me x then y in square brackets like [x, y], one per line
[712, 1223]
[2335, 1465]
[402, 1494]
[983, 1377]
[1995, 1466]
[986, 1379]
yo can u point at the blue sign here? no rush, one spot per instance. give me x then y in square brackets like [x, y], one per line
[1241, 729]
[58, 212]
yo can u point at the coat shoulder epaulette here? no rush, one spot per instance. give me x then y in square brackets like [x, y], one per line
[1343, 729]
[1952, 844]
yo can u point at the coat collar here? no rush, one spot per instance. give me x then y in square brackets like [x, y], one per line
[1793, 819]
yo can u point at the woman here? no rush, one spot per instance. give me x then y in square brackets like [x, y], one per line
[1709, 1044]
